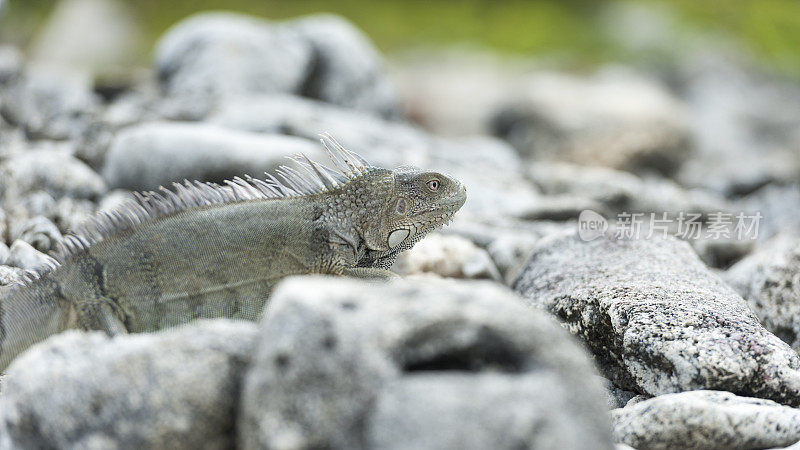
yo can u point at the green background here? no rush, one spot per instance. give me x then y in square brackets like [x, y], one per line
[572, 30]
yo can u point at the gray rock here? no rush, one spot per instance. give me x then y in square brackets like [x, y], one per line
[3, 224]
[447, 256]
[23, 255]
[638, 399]
[617, 397]
[449, 410]
[614, 119]
[69, 213]
[47, 104]
[655, 318]
[4, 252]
[10, 277]
[707, 420]
[454, 90]
[213, 55]
[778, 205]
[619, 191]
[154, 154]
[56, 172]
[11, 62]
[509, 252]
[64, 43]
[381, 142]
[744, 125]
[176, 389]
[769, 280]
[347, 69]
[350, 364]
[37, 231]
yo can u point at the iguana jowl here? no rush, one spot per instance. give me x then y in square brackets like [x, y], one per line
[204, 250]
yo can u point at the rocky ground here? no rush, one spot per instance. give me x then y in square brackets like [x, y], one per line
[509, 330]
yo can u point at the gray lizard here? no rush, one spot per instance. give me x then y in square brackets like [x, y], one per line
[204, 250]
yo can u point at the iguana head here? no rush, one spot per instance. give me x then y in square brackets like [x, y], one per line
[418, 202]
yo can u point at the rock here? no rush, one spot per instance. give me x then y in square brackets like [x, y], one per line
[655, 318]
[706, 420]
[3, 223]
[617, 397]
[154, 154]
[346, 68]
[10, 277]
[449, 411]
[778, 207]
[64, 43]
[619, 191]
[49, 104]
[69, 213]
[176, 389]
[381, 142]
[447, 256]
[509, 252]
[722, 252]
[454, 91]
[23, 255]
[39, 232]
[614, 119]
[214, 55]
[352, 364]
[11, 63]
[744, 125]
[769, 280]
[636, 399]
[56, 172]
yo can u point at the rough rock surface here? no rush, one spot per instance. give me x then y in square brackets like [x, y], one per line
[351, 364]
[220, 54]
[38, 231]
[154, 154]
[614, 119]
[656, 319]
[706, 420]
[23, 255]
[49, 104]
[4, 251]
[448, 256]
[347, 69]
[175, 389]
[617, 191]
[770, 282]
[56, 172]
[744, 126]
[211, 56]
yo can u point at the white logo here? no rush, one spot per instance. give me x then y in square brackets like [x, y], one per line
[591, 225]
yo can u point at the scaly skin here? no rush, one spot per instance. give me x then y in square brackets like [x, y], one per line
[223, 259]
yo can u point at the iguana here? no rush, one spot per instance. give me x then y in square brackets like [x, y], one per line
[204, 250]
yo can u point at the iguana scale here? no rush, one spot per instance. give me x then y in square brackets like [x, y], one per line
[203, 250]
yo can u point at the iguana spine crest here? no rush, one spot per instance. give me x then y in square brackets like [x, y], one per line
[146, 206]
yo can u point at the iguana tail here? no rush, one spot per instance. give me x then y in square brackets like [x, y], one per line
[31, 314]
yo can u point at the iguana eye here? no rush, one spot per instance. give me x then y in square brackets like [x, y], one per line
[401, 206]
[433, 185]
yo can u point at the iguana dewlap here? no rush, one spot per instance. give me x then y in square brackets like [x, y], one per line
[203, 250]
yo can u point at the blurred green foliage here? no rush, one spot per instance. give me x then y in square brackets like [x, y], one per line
[574, 30]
